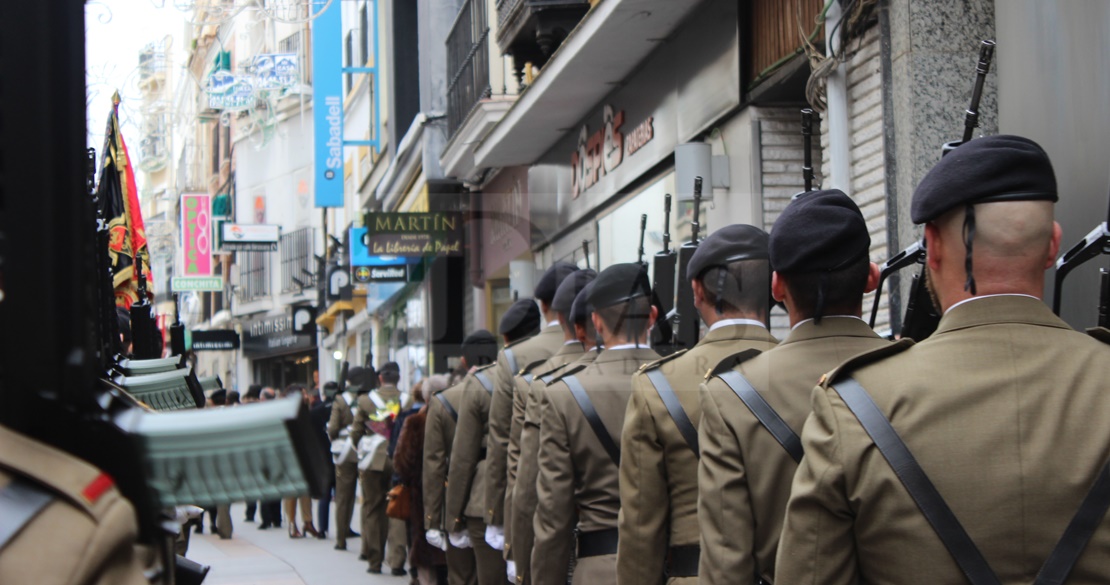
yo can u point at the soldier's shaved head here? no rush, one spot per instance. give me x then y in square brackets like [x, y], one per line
[1014, 243]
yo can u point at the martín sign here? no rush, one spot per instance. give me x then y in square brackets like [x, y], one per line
[414, 234]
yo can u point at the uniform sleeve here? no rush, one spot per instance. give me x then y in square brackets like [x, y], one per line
[111, 557]
[465, 450]
[556, 515]
[817, 544]
[358, 428]
[645, 499]
[724, 504]
[335, 421]
[523, 504]
[500, 427]
[435, 466]
[520, 398]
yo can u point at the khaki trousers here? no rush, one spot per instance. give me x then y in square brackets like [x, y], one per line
[398, 544]
[223, 521]
[461, 568]
[489, 561]
[346, 478]
[599, 570]
[375, 525]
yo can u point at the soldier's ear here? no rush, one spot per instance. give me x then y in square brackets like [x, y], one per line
[1053, 246]
[778, 287]
[933, 246]
[873, 275]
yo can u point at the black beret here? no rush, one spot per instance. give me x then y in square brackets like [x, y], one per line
[569, 289]
[819, 231]
[479, 337]
[985, 170]
[551, 279]
[521, 320]
[390, 366]
[619, 283]
[356, 375]
[581, 308]
[727, 245]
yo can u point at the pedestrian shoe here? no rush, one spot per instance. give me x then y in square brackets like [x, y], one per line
[399, 572]
[322, 535]
[353, 534]
[362, 557]
[264, 526]
[340, 547]
[310, 530]
[374, 571]
[293, 532]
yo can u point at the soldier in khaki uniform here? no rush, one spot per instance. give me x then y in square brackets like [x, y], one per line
[577, 485]
[64, 522]
[346, 474]
[819, 248]
[375, 478]
[730, 278]
[479, 348]
[524, 490]
[507, 410]
[466, 475]
[1004, 407]
[571, 352]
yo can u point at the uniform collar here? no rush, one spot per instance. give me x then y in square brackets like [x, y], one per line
[980, 297]
[830, 326]
[730, 322]
[994, 309]
[632, 353]
[733, 332]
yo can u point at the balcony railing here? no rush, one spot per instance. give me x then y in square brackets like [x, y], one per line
[254, 275]
[467, 63]
[298, 267]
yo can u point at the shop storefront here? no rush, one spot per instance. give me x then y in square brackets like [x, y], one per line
[502, 267]
[618, 163]
[281, 348]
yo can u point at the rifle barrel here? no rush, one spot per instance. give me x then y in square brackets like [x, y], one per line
[695, 225]
[971, 121]
[807, 139]
[643, 230]
[586, 252]
[667, 223]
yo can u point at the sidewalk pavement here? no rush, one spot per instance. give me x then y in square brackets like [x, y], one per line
[270, 557]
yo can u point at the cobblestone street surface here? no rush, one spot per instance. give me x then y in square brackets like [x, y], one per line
[270, 557]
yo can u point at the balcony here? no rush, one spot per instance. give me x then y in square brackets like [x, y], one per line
[531, 30]
[598, 54]
[478, 92]
[298, 265]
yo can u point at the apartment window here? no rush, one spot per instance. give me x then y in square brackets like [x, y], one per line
[297, 262]
[216, 148]
[254, 275]
[364, 34]
[290, 44]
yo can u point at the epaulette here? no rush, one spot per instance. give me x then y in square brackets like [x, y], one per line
[517, 342]
[731, 362]
[486, 367]
[552, 371]
[530, 367]
[577, 368]
[1100, 333]
[661, 361]
[864, 359]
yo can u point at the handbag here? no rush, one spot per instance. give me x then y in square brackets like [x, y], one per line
[399, 502]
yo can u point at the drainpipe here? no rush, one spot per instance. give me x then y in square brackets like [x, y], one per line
[840, 143]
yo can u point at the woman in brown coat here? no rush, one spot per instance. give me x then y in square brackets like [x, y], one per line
[428, 562]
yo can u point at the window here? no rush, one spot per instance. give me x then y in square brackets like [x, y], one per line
[297, 262]
[254, 275]
[364, 34]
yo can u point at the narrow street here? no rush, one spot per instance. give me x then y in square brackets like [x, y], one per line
[254, 556]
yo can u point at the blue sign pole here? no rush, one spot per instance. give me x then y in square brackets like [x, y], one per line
[327, 104]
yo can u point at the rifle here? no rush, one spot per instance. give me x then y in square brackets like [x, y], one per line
[586, 252]
[143, 329]
[686, 318]
[921, 316]
[643, 230]
[807, 140]
[1096, 243]
[177, 330]
[662, 289]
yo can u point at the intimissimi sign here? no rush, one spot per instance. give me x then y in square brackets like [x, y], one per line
[603, 151]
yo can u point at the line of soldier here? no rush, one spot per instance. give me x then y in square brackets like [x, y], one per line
[575, 454]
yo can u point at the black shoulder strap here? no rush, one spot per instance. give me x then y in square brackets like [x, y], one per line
[919, 486]
[1078, 533]
[765, 413]
[20, 502]
[593, 418]
[450, 409]
[513, 368]
[485, 381]
[670, 400]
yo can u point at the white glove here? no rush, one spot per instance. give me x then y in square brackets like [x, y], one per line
[459, 539]
[495, 537]
[183, 514]
[436, 539]
[510, 571]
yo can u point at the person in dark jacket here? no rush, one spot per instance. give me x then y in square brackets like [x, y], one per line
[319, 415]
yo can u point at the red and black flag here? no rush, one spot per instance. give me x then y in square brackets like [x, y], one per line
[119, 198]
